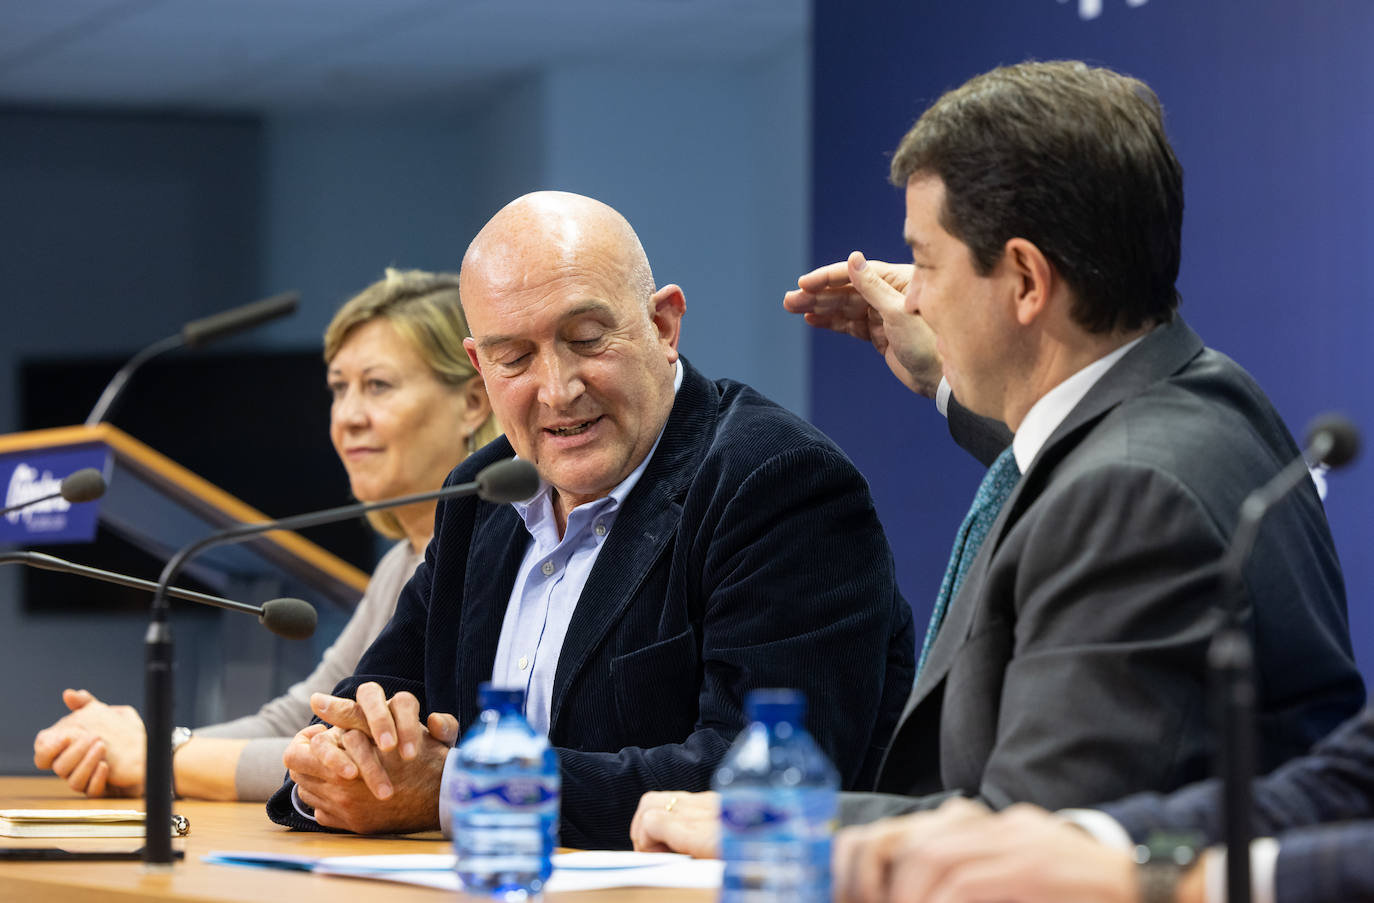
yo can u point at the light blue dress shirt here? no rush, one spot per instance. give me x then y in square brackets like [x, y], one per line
[547, 587]
[545, 594]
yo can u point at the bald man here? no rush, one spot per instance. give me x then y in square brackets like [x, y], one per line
[691, 541]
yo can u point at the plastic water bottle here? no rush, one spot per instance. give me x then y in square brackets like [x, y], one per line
[778, 806]
[503, 787]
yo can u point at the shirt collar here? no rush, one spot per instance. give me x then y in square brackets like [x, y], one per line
[539, 507]
[1046, 414]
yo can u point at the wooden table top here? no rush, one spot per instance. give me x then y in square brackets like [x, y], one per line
[230, 826]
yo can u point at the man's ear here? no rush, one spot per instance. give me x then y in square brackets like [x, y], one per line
[470, 346]
[666, 308]
[477, 406]
[1034, 276]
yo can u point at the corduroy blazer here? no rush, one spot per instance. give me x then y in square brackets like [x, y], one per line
[748, 555]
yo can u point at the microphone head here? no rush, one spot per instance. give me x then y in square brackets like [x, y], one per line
[1334, 439]
[511, 480]
[84, 485]
[291, 618]
[239, 319]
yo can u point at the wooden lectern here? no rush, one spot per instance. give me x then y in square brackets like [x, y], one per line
[159, 506]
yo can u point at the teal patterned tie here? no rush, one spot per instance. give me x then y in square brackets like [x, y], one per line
[987, 502]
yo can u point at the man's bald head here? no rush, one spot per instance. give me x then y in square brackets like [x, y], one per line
[542, 234]
[577, 348]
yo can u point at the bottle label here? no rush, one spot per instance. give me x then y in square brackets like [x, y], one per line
[504, 791]
[751, 814]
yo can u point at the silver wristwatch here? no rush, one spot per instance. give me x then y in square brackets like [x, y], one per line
[180, 737]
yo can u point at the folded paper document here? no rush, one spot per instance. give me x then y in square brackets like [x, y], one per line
[79, 823]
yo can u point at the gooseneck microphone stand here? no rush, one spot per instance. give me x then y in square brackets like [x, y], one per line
[504, 481]
[1331, 441]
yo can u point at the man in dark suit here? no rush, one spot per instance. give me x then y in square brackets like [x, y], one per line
[691, 541]
[1066, 660]
[1316, 814]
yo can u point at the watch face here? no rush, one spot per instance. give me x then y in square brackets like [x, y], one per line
[1174, 847]
[179, 736]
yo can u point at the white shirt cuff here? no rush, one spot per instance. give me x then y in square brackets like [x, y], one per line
[301, 808]
[446, 817]
[1103, 828]
[1264, 858]
[942, 397]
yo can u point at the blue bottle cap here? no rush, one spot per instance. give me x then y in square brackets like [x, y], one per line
[493, 697]
[775, 706]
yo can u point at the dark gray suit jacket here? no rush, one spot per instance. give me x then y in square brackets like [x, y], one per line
[1320, 806]
[1071, 666]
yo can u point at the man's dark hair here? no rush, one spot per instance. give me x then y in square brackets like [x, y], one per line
[1073, 159]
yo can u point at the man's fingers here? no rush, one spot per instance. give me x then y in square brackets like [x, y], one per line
[443, 727]
[337, 711]
[363, 753]
[380, 726]
[678, 821]
[75, 699]
[868, 280]
[912, 853]
[862, 856]
[300, 755]
[866, 867]
[832, 275]
[335, 761]
[313, 796]
[405, 714]
[690, 831]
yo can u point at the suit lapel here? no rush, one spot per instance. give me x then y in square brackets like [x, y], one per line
[649, 518]
[1160, 354]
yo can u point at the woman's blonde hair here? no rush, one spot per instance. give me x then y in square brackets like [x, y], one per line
[424, 309]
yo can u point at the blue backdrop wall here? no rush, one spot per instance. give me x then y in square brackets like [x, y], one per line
[1270, 105]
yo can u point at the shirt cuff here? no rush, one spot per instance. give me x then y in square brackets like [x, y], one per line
[942, 397]
[1264, 857]
[446, 817]
[1103, 828]
[302, 809]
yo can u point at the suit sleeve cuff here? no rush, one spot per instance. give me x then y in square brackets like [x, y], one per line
[1264, 857]
[942, 397]
[1103, 828]
[446, 817]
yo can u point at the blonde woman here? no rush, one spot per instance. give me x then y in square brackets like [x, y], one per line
[407, 408]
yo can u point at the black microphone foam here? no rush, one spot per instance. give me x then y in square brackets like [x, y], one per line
[511, 480]
[226, 323]
[1334, 439]
[84, 485]
[293, 619]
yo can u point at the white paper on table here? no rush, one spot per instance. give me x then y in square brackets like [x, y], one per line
[681, 871]
[587, 870]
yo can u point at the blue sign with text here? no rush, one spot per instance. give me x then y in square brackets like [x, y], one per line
[27, 476]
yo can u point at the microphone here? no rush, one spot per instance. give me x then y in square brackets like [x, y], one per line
[293, 619]
[510, 480]
[84, 485]
[193, 335]
[1333, 442]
